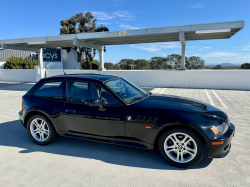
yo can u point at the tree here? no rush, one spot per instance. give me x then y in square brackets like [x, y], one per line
[95, 64]
[142, 64]
[173, 60]
[82, 23]
[217, 67]
[108, 65]
[195, 62]
[20, 63]
[117, 66]
[157, 62]
[245, 66]
[125, 63]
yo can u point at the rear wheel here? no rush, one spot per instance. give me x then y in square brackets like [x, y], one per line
[40, 130]
[181, 147]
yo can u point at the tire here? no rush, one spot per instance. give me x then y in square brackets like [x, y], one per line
[177, 154]
[43, 133]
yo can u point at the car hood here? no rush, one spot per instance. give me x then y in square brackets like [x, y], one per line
[174, 103]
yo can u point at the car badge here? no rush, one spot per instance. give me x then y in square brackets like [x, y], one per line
[129, 118]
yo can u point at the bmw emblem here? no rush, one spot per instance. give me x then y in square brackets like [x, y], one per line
[129, 118]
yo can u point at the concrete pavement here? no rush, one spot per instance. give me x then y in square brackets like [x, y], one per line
[71, 162]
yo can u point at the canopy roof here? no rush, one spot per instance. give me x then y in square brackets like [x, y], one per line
[206, 31]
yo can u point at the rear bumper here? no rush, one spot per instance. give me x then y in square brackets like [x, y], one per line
[220, 151]
[21, 117]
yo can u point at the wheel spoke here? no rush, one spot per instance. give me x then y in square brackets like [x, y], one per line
[36, 123]
[176, 138]
[187, 141]
[43, 124]
[170, 148]
[184, 139]
[181, 153]
[174, 141]
[33, 134]
[190, 151]
[42, 136]
[178, 154]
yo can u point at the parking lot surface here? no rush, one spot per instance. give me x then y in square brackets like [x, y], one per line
[71, 162]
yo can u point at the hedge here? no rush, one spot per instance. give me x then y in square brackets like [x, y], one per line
[20, 63]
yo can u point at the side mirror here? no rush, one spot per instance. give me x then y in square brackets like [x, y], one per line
[94, 103]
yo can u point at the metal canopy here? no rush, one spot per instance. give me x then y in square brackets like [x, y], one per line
[150, 35]
[97, 40]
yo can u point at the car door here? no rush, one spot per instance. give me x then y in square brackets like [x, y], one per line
[80, 117]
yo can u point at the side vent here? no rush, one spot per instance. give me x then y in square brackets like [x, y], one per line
[144, 119]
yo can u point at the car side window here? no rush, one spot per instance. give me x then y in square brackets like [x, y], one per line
[82, 92]
[51, 90]
[108, 99]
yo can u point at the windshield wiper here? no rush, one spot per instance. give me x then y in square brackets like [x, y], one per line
[149, 93]
[135, 98]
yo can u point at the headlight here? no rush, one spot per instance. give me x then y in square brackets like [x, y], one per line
[223, 124]
[221, 129]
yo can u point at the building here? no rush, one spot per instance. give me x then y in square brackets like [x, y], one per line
[54, 58]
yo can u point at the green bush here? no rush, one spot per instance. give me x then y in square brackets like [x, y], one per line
[20, 63]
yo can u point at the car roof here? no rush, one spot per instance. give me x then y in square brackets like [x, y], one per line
[85, 76]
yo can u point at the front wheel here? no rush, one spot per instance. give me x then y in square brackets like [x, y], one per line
[181, 147]
[40, 130]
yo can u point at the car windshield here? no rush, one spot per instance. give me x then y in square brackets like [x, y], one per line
[126, 90]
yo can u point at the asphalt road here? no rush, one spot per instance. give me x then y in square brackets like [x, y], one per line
[71, 162]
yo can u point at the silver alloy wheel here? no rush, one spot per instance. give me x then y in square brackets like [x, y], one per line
[39, 129]
[180, 147]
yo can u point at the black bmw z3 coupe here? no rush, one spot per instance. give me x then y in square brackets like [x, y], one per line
[111, 109]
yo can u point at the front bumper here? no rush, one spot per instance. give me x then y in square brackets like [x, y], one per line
[220, 151]
[21, 117]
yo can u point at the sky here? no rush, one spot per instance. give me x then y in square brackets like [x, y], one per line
[26, 18]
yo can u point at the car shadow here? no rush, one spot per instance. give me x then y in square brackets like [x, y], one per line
[15, 86]
[13, 134]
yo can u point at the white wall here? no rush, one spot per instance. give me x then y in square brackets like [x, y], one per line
[69, 59]
[18, 75]
[211, 79]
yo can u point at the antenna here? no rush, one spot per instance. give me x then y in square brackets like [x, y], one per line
[64, 72]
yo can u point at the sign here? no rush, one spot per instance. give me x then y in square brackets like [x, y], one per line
[122, 33]
[49, 55]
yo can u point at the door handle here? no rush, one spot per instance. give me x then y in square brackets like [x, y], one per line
[70, 111]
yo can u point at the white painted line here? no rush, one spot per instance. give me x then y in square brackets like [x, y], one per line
[223, 104]
[154, 90]
[209, 98]
[162, 90]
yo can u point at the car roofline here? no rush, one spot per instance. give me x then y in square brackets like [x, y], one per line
[78, 77]
[88, 74]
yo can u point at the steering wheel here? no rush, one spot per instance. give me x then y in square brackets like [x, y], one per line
[125, 91]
